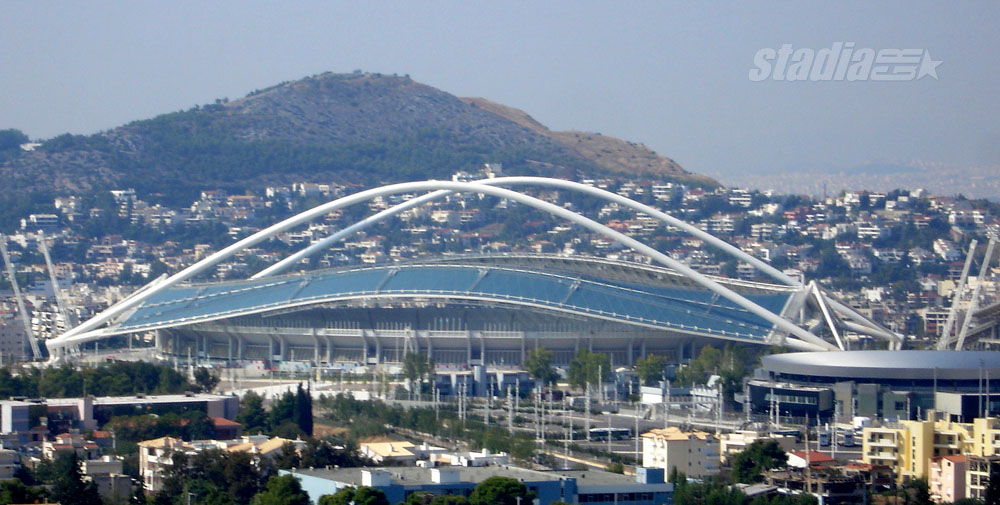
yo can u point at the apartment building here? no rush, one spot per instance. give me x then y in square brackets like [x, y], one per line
[910, 446]
[696, 453]
[980, 472]
[946, 481]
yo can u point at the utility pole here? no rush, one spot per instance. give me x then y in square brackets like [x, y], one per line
[538, 413]
[666, 408]
[808, 459]
[600, 383]
[517, 394]
[636, 435]
[746, 401]
[586, 407]
[609, 433]
[569, 433]
[510, 412]
[718, 409]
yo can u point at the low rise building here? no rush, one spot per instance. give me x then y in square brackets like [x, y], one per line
[946, 480]
[831, 487]
[156, 457]
[980, 471]
[910, 446]
[695, 453]
[734, 443]
[592, 487]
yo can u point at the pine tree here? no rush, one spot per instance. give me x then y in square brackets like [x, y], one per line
[69, 487]
[302, 414]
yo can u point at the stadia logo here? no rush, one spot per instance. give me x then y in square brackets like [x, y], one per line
[842, 62]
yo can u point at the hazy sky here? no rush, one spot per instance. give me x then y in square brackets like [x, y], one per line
[674, 76]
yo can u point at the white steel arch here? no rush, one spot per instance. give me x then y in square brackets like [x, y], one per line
[859, 323]
[804, 340]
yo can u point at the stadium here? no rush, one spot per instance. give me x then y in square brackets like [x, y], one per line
[469, 310]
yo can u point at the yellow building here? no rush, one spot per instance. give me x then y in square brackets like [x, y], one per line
[908, 446]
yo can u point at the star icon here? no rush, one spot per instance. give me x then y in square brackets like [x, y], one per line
[928, 66]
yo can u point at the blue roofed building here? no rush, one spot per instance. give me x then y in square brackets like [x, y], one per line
[461, 311]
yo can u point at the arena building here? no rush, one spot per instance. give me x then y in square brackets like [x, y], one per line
[477, 310]
[892, 384]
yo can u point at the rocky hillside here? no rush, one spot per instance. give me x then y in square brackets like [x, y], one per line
[361, 128]
[611, 154]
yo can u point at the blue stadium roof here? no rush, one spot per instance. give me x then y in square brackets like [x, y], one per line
[673, 308]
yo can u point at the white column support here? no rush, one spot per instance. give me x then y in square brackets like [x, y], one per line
[826, 314]
[974, 303]
[945, 340]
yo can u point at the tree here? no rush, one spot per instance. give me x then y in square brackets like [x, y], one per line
[204, 380]
[243, 478]
[302, 415]
[288, 457]
[750, 464]
[14, 491]
[370, 496]
[500, 491]
[419, 498]
[363, 495]
[283, 410]
[588, 368]
[343, 497]
[538, 363]
[252, 415]
[918, 492]
[10, 140]
[416, 367]
[282, 490]
[650, 369]
[69, 487]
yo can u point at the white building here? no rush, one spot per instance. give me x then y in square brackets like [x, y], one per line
[695, 453]
[731, 444]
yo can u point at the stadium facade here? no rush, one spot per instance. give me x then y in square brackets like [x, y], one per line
[469, 310]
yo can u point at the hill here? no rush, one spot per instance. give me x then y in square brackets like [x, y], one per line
[611, 154]
[350, 128]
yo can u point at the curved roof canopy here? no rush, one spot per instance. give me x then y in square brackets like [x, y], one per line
[905, 364]
[666, 307]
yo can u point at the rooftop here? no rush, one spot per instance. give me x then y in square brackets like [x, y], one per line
[416, 475]
[675, 433]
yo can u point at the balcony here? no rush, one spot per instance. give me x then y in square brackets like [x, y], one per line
[882, 456]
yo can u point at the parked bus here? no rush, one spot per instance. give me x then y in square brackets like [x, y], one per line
[601, 434]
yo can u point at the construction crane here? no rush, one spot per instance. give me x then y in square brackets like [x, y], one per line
[64, 311]
[36, 353]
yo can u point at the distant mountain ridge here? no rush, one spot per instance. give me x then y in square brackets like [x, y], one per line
[362, 128]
